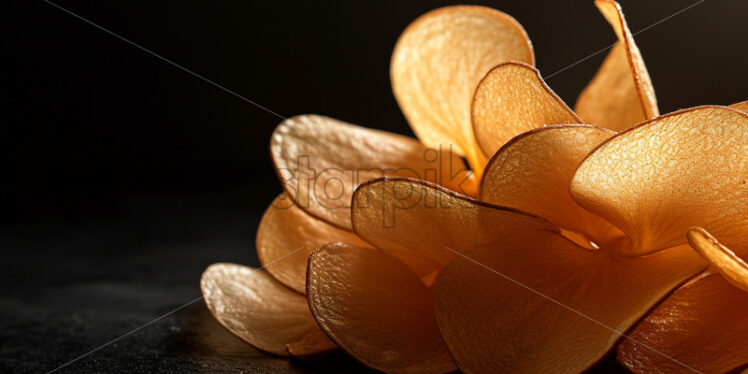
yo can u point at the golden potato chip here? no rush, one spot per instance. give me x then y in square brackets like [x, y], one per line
[659, 179]
[376, 309]
[511, 99]
[437, 64]
[732, 267]
[259, 310]
[621, 93]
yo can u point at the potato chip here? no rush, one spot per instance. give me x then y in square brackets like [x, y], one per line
[376, 309]
[437, 64]
[259, 310]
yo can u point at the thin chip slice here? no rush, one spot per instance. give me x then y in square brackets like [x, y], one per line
[437, 64]
[732, 267]
[258, 309]
[703, 325]
[657, 180]
[423, 220]
[511, 99]
[321, 161]
[533, 171]
[376, 309]
[621, 93]
[541, 304]
[741, 106]
[286, 237]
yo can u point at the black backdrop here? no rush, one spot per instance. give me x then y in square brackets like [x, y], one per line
[125, 176]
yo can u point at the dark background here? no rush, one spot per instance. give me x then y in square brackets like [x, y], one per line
[124, 177]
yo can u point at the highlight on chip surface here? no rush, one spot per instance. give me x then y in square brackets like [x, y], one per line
[259, 310]
[375, 308]
[702, 326]
[621, 93]
[511, 99]
[437, 64]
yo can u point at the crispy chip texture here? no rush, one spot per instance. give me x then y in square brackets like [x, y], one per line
[621, 93]
[732, 267]
[532, 173]
[437, 64]
[404, 216]
[657, 180]
[321, 161]
[539, 303]
[703, 325]
[286, 237]
[376, 309]
[259, 310]
[511, 99]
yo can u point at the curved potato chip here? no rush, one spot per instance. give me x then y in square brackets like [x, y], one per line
[423, 220]
[621, 93]
[657, 180]
[258, 309]
[741, 106]
[437, 64]
[286, 237]
[321, 161]
[376, 309]
[511, 99]
[702, 325]
[541, 304]
[533, 172]
[732, 267]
